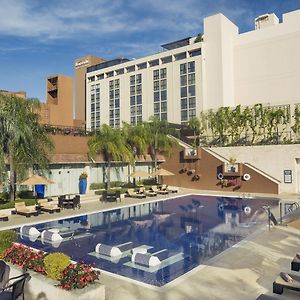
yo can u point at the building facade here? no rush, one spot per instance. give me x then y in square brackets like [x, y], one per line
[224, 68]
[80, 68]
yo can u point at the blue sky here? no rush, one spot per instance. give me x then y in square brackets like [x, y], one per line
[39, 38]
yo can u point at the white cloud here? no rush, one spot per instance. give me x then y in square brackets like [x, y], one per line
[52, 20]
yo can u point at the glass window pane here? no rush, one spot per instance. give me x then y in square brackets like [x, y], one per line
[163, 95]
[163, 84]
[132, 100]
[156, 96]
[139, 78]
[192, 102]
[156, 107]
[183, 115]
[139, 110]
[163, 106]
[156, 85]
[192, 113]
[192, 90]
[191, 79]
[164, 116]
[184, 103]
[163, 73]
[139, 99]
[117, 103]
[183, 80]
[183, 92]
[139, 89]
[155, 74]
[132, 80]
[182, 69]
[191, 67]
[132, 90]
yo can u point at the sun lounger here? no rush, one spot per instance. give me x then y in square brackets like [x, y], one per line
[147, 192]
[131, 193]
[295, 264]
[156, 190]
[27, 211]
[47, 207]
[3, 217]
[286, 281]
[169, 189]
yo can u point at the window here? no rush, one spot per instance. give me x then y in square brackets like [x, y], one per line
[110, 74]
[142, 66]
[120, 71]
[183, 103]
[163, 106]
[188, 89]
[163, 73]
[132, 90]
[139, 78]
[155, 74]
[156, 85]
[183, 92]
[163, 84]
[196, 52]
[191, 67]
[180, 56]
[132, 100]
[139, 99]
[183, 80]
[156, 107]
[163, 95]
[132, 79]
[182, 69]
[191, 79]
[139, 89]
[156, 96]
[114, 103]
[153, 63]
[166, 59]
[101, 76]
[130, 69]
[192, 90]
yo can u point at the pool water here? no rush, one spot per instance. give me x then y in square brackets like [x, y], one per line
[182, 233]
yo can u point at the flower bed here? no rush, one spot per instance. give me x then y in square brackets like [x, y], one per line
[78, 275]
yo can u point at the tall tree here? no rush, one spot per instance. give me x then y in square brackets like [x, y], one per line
[112, 143]
[24, 141]
[194, 124]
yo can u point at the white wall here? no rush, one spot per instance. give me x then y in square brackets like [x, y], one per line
[271, 159]
[219, 36]
[267, 63]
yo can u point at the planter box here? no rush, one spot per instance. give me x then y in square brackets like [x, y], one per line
[41, 287]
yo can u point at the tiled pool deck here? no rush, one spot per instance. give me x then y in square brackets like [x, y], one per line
[242, 272]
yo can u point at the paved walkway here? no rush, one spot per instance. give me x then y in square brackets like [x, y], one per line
[241, 272]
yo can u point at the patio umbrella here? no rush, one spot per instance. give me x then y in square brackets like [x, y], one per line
[138, 174]
[162, 172]
[36, 179]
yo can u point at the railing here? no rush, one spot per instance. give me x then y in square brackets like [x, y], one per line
[67, 130]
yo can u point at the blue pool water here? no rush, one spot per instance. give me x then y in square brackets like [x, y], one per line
[182, 233]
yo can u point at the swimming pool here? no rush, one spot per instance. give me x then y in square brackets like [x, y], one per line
[155, 242]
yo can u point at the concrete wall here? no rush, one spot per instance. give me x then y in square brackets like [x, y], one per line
[271, 159]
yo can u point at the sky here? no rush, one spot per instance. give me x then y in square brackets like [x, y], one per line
[39, 38]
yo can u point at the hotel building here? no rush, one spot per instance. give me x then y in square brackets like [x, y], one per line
[220, 68]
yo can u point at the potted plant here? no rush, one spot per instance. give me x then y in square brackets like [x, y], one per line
[82, 183]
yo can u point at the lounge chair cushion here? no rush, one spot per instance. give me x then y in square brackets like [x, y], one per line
[286, 277]
[108, 250]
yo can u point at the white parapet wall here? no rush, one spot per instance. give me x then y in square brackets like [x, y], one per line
[41, 287]
[273, 160]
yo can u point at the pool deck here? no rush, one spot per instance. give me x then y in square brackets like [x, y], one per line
[242, 272]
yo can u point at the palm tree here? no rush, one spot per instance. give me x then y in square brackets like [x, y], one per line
[157, 137]
[136, 138]
[111, 142]
[24, 141]
[194, 125]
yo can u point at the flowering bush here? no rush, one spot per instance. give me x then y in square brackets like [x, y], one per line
[78, 276]
[25, 257]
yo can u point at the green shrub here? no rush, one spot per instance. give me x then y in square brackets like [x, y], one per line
[97, 186]
[149, 181]
[11, 204]
[7, 238]
[25, 194]
[4, 196]
[55, 264]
